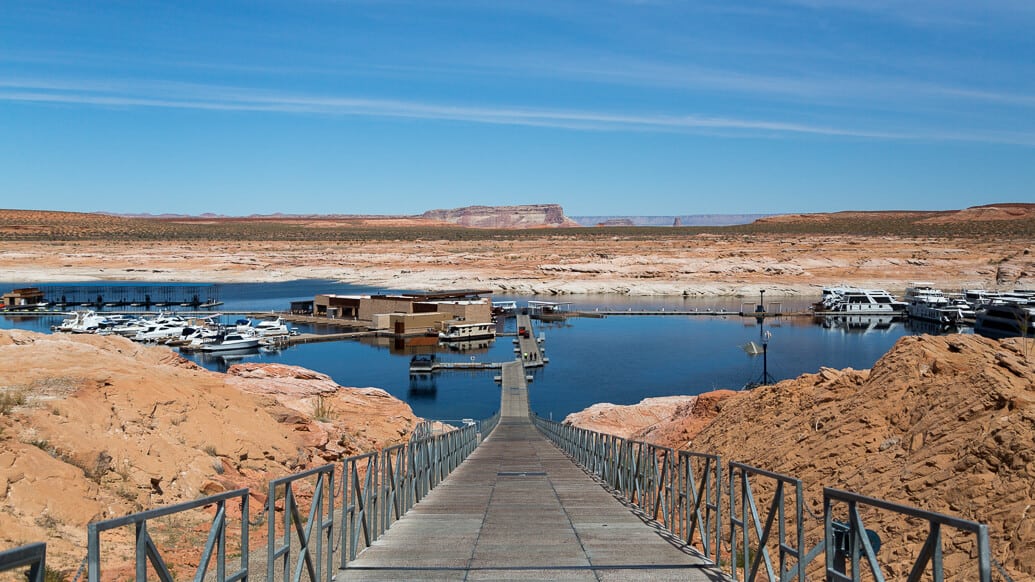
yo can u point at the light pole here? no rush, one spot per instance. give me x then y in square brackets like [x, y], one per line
[765, 356]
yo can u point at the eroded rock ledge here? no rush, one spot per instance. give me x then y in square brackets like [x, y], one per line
[943, 423]
[97, 426]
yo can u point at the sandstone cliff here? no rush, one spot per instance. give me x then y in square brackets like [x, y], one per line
[94, 427]
[941, 423]
[525, 216]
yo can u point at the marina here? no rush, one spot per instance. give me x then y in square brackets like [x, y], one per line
[611, 348]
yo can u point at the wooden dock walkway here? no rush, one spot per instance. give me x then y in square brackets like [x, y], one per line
[528, 349]
[519, 509]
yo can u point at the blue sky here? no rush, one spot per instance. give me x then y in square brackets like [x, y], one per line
[648, 107]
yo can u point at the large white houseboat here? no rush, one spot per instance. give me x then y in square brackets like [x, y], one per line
[467, 331]
[930, 304]
[856, 301]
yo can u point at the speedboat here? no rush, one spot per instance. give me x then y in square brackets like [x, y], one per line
[231, 341]
[161, 331]
[82, 322]
[856, 301]
[264, 328]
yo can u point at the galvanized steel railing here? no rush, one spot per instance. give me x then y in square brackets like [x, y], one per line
[756, 540]
[381, 487]
[359, 505]
[681, 490]
[32, 555]
[147, 552]
[307, 535]
[856, 545]
[378, 488]
[486, 426]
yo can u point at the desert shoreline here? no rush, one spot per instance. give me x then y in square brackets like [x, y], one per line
[783, 266]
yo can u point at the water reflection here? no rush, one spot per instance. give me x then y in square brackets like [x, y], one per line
[871, 323]
[221, 361]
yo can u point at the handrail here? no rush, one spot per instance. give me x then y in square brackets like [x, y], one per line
[147, 551]
[486, 426]
[790, 546]
[32, 555]
[359, 505]
[700, 490]
[856, 543]
[381, 486]
[678, 489]
[309, 532]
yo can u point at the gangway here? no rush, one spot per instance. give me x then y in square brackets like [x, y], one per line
[519, 508]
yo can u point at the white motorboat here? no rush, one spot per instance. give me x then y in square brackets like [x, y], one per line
[467, 331]
[264, 328]
[930, 304]
[161, 331]
[231, 341]
[1001, 320]
[82, 322]
[856, 301]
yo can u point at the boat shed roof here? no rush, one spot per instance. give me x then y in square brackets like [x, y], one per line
[448, 294]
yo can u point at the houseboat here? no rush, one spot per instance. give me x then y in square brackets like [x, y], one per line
[467, 331]
[856, 301]
[930, 304]
[1001, 320]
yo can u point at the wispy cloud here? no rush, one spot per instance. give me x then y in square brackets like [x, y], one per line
[929, 13]
[219, 98]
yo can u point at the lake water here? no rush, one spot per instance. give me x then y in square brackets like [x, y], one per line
[620, 359]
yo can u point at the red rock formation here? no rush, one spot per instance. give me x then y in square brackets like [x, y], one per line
[94, 427]
[526, 216]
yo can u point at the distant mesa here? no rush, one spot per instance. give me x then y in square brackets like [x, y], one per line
[525, 216]
[1007, 211]
[670, 220]
[617, 222]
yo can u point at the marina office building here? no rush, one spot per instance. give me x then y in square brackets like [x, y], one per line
[404, 313]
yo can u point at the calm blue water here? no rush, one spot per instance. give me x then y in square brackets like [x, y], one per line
[618, 359]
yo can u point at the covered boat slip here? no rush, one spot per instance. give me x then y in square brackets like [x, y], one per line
[519, 509]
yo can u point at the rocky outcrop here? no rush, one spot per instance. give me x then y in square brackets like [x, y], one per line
[643, 420]
[93, 427]
[526, 216]
[942, 423]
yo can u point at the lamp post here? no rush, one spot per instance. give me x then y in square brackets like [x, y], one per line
[765, 356]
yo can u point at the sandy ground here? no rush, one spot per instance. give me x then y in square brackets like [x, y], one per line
[703, 265]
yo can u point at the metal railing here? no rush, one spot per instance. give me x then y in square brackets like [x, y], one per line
[380, 487]
[309, 533]
[757, 539]
[359, 505]
[32, 555]
[147, 552]
[700, 490]
[485, 427]
[684, 493]
[855, 543]
[681, 490]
